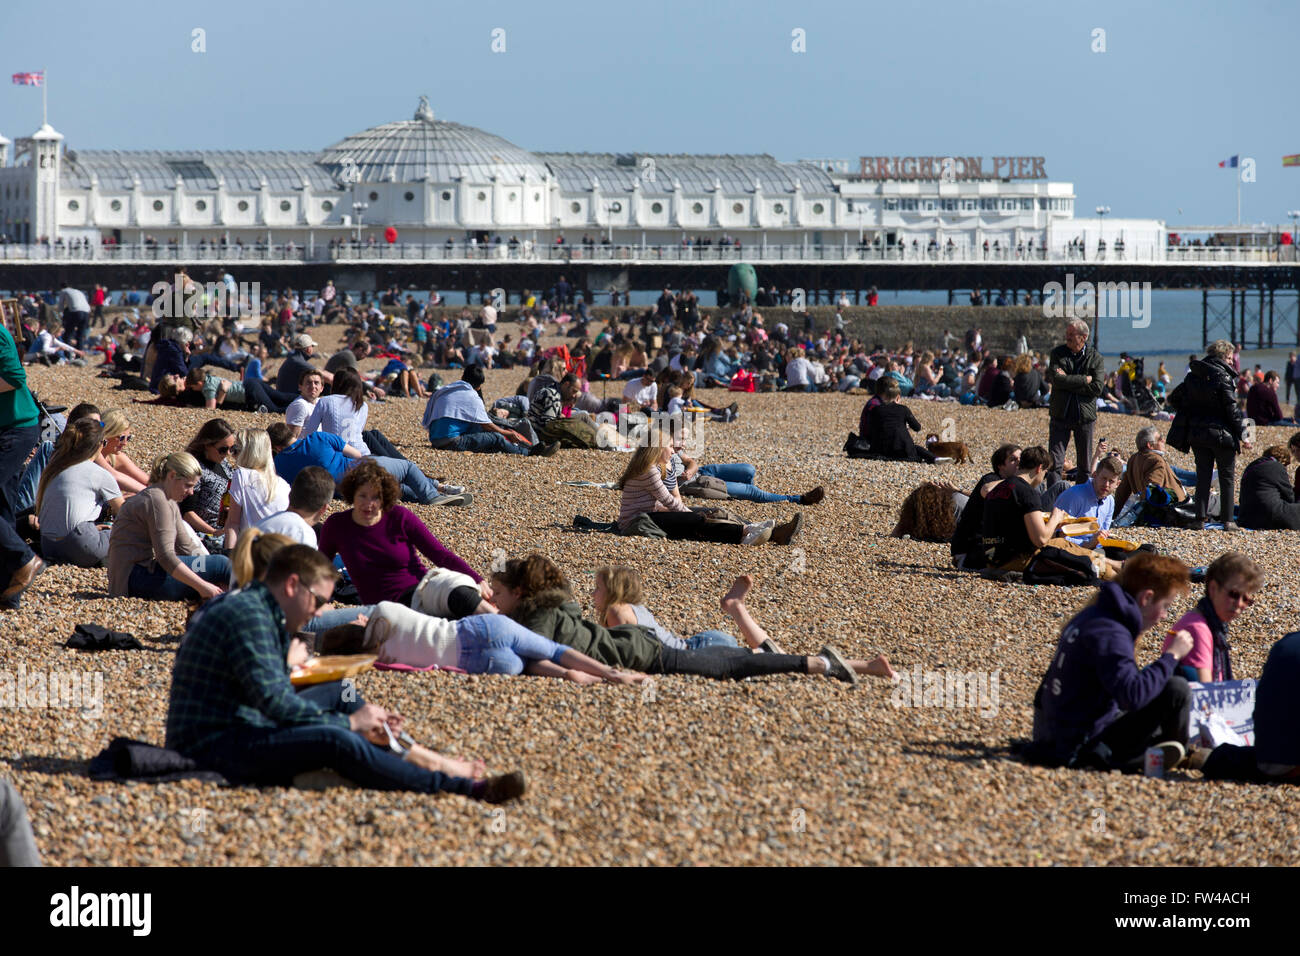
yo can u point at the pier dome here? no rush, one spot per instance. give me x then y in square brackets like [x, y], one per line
[424, 148]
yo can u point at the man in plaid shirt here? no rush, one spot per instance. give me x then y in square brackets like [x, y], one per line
[233, 708]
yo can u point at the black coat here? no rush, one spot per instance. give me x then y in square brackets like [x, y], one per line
[1206, 408]
[1267, 498]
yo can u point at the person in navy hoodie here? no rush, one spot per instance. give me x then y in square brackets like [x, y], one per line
[1094, 676]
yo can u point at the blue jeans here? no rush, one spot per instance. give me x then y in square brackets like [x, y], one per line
[481, 441]
[31, 478]
[200, 359]
[496, 644]
[15, 444]
[1187, 476]
[739, 479]
[711, 639]
[158, 585]
[336, 616]
[416, 486]
[275, 755]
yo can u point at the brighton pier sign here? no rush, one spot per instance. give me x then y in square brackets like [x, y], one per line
[951, 168]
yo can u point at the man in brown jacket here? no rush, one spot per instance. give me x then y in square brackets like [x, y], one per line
[1148, 466]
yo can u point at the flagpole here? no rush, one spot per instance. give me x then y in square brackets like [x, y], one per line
[1239, 192]
[45, 114]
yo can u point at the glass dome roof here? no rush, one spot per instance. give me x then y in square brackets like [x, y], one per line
[424, 148]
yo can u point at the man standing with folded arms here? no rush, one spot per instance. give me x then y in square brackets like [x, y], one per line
[1076, 372]
[18, 434]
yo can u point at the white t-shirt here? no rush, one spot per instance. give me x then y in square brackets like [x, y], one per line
[291, 525]
[76, 495]
[798, 371]
[675, 405]
[412, 638]
[247, 491]
[298, 412]
[634, 391]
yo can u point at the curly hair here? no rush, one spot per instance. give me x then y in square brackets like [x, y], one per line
[366, 473]
[532, 574]
[927, 514]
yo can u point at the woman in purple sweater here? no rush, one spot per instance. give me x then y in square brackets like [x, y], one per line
[381, 543]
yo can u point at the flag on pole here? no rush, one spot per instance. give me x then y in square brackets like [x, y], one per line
[1293, 160]
[1229, 163]
[30, 79]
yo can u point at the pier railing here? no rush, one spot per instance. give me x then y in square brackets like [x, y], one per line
[758, 253]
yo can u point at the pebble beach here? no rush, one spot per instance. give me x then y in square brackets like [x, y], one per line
[681, 771]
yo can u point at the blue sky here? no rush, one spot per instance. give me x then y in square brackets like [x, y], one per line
[1140, 128]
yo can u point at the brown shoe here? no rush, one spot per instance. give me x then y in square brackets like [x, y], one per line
[812, 497]
[786, 533]
[23, 579]
[504, 787]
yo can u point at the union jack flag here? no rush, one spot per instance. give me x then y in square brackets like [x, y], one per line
[30, 79]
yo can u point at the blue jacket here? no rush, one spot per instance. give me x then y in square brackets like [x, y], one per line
[1093, 674]
[169, 360]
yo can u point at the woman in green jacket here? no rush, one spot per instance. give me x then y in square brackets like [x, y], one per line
[534, 591]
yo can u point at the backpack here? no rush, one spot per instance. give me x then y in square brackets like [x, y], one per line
[856, 447]
[742, 381]
[1160, 509]
[1053, 565]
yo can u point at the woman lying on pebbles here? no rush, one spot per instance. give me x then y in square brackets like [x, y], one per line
[535, 592]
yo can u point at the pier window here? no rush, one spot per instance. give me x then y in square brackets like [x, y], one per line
[243, 205]
[73, 205]
[891, 205]
[656, 207]
[818, 209]
[778, 208]
[1026, 204]
[200, 205]
[157, 205]
[409, 196]
[575, 207]
[697, 208]
[948, 205]
[930, 205]
[908, 205]
[968, 205]
[374, 197]
[115, 205]
[285, 205]
[327, 206]
[737, 207]
[989, 205]
[446, 196]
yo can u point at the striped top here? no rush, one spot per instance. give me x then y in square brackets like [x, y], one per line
[646, 493]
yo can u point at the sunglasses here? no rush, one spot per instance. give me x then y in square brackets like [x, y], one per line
[226, 449]
[1243, 597]
[317, 602]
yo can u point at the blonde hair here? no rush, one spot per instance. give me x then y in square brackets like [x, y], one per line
[622, 585]
[254, 552]
[255, 455]
[1219, 348]
[644, 458]
[115, 423]
[182, 463]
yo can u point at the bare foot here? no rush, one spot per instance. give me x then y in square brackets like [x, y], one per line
[739, 591]
[878, 666]
[424, 757]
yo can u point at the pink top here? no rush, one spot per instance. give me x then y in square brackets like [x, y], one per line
[646, 493]
[384, 559]
[1202, 653]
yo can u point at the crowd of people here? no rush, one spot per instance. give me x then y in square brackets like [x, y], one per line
[233, 521]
